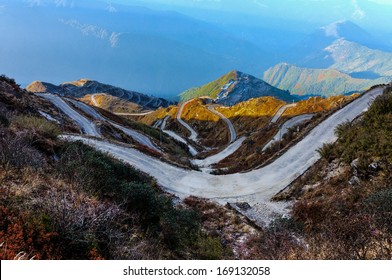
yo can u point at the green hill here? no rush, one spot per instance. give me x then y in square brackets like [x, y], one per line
[236, 87]
[325, 82]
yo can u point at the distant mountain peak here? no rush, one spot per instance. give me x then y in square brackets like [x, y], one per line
[334, 29]
[346, 29]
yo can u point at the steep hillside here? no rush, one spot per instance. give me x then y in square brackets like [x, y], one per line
[61, 200]
[236, 87]
[346, 47]
[111, 103]
[253, 119]
[252, 115]
[83, 87]
[324, 82]
[342, 205]
[351, 57]
[310, 51]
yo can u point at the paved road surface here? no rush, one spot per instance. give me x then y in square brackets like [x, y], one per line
[133, 114]
[87, 126]
[192, 150]
[87, 109]
[280, 112]
[233, 134]
[138, 137]
[284, 128]
[184, 124]
[256, 187]
[207, 162]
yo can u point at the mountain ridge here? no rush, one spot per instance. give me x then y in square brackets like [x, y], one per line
[324, 82]
[235, 87]
[83, 87]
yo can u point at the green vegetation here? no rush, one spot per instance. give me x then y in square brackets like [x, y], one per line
[38, 125]
[61, 200]
[343, 203]
[326, 82]
[327, 151]
[211, 89]
[103, 177]
[370, 137]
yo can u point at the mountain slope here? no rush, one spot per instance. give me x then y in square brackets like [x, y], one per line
[111, 103]
[83, 87]
[325, 82]
[351, 57]
[236, 87]
[342, 40]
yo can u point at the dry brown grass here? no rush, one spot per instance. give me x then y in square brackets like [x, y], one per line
[318, 104]
[112, 103]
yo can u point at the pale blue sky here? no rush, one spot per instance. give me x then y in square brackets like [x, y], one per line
[373, 14]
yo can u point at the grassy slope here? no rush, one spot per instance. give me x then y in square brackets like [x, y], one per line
[318, 104]
[112, 103]
[305, 81]
[342, 205]
[66, 201]
[360, 58]
[211, 89]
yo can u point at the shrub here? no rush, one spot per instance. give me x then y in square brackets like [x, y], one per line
[96, 172]
[83, 224]
[327, 151]
[180, 228]
[380, 205]
[17, 151]
[38, 125]
[341, 129]
[143, 199]
[211, 248]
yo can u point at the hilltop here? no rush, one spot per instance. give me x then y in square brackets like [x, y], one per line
[83, 87]
[236, 87]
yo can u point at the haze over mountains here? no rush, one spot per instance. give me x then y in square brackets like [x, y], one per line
[164, 49]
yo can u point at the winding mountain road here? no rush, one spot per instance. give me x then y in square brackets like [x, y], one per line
[284, 128]
[174, 135]
[85, 108]
[233, 134]
[207, 162]
[93, 100]
[194, 134]
[280, 112]
[138, 137]
[133, 114]
[87, 126]
[256, 187]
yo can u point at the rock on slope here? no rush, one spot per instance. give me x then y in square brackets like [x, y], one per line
[236, 87]
[83, 87]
